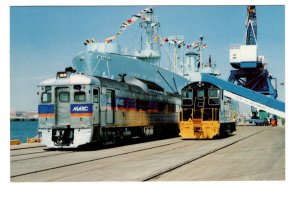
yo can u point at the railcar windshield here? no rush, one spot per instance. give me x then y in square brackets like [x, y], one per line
[79, 96]
[64, 96]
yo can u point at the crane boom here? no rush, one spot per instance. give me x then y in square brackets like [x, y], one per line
[251, 24]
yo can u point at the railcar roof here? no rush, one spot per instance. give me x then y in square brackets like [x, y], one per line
[72, 79]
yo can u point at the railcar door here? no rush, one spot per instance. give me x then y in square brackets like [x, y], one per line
[62, 106]
[110, 106]
[96, 99]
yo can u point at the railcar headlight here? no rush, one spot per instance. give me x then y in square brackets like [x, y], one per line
[62, 74]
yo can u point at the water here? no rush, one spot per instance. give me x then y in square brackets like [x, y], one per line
[23, 129]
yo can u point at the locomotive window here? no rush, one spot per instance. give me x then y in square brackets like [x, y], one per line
[188, 93]
[46, 97]
[200, 93]
[214, 93]
[64, 96]
[79, 96]
[95, 96]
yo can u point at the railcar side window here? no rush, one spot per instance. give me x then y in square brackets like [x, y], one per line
[95, 96]
[79, 96]
[64, 96]
[46, 97]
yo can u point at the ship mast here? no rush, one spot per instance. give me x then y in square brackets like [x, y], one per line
[150, 53]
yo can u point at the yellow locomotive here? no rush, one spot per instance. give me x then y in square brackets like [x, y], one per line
[206, 112]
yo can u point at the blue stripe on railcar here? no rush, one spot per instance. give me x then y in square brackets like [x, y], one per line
[46, 109]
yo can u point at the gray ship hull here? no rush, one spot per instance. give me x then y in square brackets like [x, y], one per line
[111, 65]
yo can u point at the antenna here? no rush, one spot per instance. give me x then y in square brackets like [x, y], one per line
[122, 77]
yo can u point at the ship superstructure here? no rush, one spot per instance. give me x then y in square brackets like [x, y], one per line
[106, 59]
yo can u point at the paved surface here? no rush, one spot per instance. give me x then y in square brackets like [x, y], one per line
[258, 156]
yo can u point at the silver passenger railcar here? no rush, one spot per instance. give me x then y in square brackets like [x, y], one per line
[75, 109]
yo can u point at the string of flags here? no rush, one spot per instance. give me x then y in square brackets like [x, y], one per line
[180, 43]
[128, 22]
[173, 40]
[140, 15]
[196, 44]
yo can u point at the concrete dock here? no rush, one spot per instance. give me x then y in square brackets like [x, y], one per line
[251, 153]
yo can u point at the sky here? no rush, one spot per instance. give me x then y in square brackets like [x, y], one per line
[45, 39]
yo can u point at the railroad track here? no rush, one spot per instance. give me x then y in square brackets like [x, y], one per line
[167, 170]
[27, 153]
[138, 162]
[32, 153]
[86, 161]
